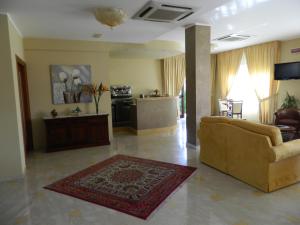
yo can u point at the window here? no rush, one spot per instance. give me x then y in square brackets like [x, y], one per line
[243, 90]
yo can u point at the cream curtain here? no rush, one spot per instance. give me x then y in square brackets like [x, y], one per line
[228, 64]
[260, 60]
[213, 70]
[174, 74]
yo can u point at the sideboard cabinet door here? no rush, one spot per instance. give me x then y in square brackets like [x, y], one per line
[98, 131]
[57, 134]
[76, 132]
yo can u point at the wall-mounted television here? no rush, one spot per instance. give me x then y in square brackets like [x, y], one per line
[287, 71]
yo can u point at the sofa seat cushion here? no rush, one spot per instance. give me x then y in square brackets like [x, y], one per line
[287, 149]
[271, 131]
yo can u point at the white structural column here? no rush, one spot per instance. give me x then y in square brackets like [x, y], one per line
[198, 80]
[12, 160]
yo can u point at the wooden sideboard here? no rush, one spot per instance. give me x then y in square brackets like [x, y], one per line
[69, 132]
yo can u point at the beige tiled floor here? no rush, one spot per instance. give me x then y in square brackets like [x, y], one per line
[207, 198]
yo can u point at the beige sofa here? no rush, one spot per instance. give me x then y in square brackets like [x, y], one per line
[253, 153]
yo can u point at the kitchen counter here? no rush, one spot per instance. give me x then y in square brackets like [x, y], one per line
[154, 114]
[154, 98]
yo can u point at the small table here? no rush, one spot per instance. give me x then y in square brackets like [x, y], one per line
[288, 133]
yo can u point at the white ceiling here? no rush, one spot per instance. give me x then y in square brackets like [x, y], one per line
[264, 20]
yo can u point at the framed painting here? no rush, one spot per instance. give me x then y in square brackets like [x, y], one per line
[68, 82]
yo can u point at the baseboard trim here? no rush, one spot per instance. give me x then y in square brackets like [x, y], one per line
[6, 179]
[156, 130]
[146, 131]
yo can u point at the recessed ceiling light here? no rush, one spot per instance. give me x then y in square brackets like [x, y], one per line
[97, 35]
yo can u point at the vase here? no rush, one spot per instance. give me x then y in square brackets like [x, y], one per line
[97, 107]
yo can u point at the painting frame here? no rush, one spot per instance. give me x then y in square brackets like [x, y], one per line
[68, 82]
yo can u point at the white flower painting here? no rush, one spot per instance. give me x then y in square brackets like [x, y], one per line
[68, 82]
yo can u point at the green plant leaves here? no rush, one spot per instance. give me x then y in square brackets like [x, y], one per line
[290, 101]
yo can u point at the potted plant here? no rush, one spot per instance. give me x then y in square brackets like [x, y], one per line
[290, 102]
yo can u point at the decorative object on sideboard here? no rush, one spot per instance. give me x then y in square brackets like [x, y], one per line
[76, 111]
[155, 93]
[68, 82]
[53, 113]
[97, 91]
[111, 17]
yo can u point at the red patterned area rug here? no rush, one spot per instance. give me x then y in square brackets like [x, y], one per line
[131, 185]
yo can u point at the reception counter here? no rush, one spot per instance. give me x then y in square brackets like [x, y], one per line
[152, 115]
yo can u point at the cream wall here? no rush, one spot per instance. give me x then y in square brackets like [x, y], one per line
[291, 86]
[40, 54]
[111, 63]
[12, 160]
[143, 75]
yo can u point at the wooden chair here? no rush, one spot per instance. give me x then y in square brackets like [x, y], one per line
[223, 107]
[237, 109]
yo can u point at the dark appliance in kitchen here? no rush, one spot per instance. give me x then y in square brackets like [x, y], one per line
[121, 102]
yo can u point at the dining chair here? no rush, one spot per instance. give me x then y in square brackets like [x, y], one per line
[223, 107]
[237, 109]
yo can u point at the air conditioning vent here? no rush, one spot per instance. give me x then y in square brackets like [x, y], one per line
[145, 11]
[176, 7]
[233, 37]
[158, 12]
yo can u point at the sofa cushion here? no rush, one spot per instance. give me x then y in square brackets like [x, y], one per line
[288, 114]
[270, 131]
[286, 150]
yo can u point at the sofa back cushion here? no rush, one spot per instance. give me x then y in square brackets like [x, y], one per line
[271, 131]
[215, 119]
[288, 114]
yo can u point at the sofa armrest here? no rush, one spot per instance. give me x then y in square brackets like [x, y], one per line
[286, 150]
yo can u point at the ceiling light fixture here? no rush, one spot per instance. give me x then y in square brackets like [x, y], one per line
[111, 17]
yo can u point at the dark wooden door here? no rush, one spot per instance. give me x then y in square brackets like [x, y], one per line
[24, 104]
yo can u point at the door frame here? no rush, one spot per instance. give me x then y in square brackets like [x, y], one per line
[182, 100]
[24, 104]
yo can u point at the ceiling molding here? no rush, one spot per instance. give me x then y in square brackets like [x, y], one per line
[13, 23]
